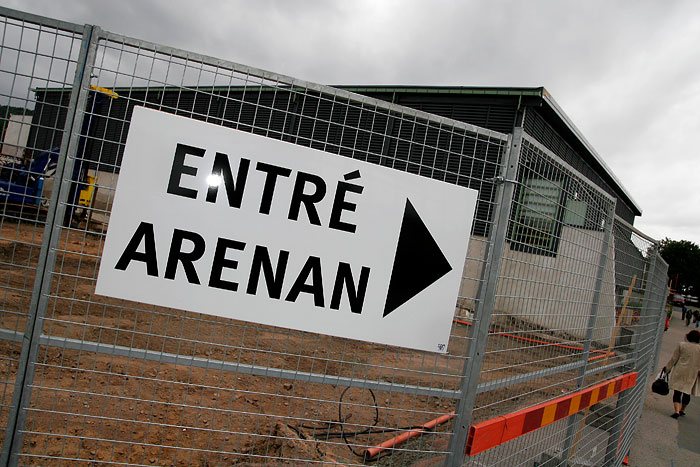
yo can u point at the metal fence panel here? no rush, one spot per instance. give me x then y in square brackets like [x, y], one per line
[35, 52]
[640, 326]
[575, 305]
[556, 296]
[547, 298]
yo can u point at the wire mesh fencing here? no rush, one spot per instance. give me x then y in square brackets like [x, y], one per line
[34, 53]
[588, 308]
[556, 294]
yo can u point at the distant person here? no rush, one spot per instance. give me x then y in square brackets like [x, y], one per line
[684, 372]
[684, 310]
[688, 315]
[696, 317]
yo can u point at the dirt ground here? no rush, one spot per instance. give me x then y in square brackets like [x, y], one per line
[118, 408]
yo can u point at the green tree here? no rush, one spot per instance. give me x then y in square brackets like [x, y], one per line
[683, 258]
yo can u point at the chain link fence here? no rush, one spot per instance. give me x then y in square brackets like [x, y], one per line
[557, 294]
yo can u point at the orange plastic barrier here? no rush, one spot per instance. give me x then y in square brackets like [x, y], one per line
[371, 453]
[537, 341]
[494, 432]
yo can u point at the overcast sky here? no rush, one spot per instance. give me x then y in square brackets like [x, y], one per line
[627, 73]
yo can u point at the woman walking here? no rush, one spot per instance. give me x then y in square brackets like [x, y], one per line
[684, 371]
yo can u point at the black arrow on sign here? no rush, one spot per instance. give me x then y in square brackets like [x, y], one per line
[418, 262]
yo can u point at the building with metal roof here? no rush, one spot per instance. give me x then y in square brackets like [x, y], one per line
[551, 204]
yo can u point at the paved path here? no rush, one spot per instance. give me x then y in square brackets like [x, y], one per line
[661, 440]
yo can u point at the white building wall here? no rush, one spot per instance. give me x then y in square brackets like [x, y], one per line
[554, 293]
[15, 138]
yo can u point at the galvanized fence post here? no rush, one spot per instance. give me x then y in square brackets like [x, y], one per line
[660, 324]
[487, 294]
[21, 397]
[568, 442]
[653, 311]
[641, 364]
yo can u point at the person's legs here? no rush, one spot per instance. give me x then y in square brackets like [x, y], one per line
[685, 400]
[680, 402]
[677, 396]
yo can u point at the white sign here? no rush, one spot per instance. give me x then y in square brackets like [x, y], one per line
[223, 222]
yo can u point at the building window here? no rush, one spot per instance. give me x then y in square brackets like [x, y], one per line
[575, 213]
[538, 216]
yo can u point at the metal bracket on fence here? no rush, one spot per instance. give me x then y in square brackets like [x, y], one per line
[499, 180]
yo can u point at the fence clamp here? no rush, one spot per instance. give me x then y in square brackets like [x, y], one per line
[500, 180]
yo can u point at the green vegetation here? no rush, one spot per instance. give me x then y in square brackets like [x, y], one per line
[683, 258]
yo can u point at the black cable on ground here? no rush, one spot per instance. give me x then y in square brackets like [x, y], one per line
[369, 431]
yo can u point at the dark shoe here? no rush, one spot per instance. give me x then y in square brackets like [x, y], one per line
[681, 413]
[675, 415]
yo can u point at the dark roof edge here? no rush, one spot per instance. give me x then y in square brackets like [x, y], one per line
[470, 90]
[540, 92]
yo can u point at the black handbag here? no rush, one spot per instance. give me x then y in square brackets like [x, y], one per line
[660, 386]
